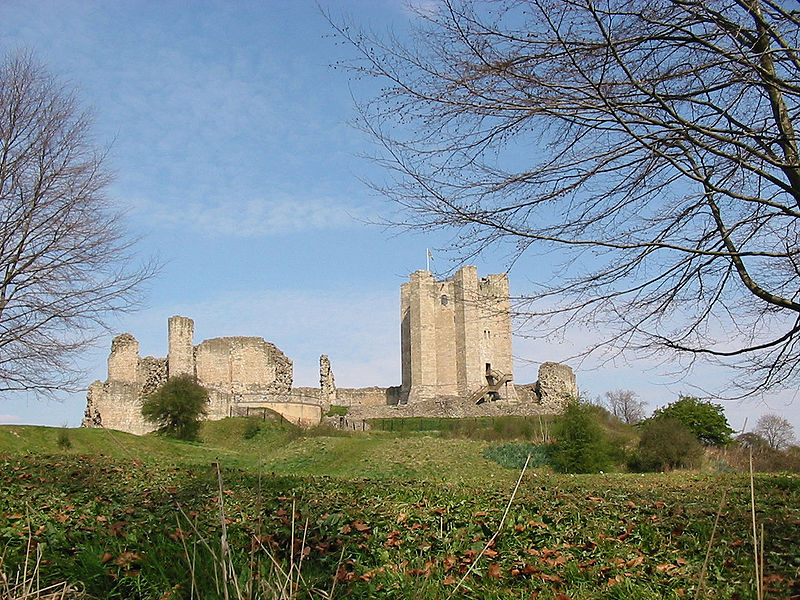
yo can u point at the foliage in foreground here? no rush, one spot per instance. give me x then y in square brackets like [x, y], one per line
[126, 530]
[177, 407]
[666, 444]
[580, 444]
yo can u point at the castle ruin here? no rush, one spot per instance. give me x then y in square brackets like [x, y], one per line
[239, 373]
[456, 337]
[456, 362]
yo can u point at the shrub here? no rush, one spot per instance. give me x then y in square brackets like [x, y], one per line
[705, 420]
[63, 440]
[251, 429]
[581, 445]
[665, 444]
[177, 407]
[512, 455]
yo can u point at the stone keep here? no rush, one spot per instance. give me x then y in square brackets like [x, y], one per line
[456, 337]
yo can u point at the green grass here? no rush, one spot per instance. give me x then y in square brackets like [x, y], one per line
[476, 428]
[407, 514]
[514, 455]
[337, 411]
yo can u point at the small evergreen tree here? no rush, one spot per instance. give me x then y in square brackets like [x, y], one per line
[177, 407]
[705, 420]
[580, 445]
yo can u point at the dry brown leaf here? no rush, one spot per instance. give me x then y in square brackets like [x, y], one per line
[635, 562]
[361, 526]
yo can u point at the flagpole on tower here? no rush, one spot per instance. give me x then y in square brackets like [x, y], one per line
[428, 257]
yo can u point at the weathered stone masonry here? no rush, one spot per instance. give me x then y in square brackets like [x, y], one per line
[456, 362]
[236, 371]
[456, 337]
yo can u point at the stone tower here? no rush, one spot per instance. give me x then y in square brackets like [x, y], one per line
[123, 361]
[180, 359]
[327, 386]
[456, 337]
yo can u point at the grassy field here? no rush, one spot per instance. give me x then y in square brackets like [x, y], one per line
[379, 514]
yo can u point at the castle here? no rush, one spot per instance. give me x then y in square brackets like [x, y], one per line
[456, 361]
[456, 336]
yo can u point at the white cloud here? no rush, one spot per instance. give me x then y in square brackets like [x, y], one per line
[257, 217]
[9, 419]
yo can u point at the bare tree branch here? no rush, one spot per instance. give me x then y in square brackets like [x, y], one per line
[66, 261]
[651, 145]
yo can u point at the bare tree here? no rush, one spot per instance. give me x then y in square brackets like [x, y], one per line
[648, 144]
[65, 260]
[775, 430]
[625, 405]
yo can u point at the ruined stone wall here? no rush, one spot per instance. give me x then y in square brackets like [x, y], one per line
[327, 385]
[555, 387]
[151, 373]
[229, 368]
[310, 393]
[243, 365]
[557, 384]
[446, 407]
[123, 361]
[181, 346]
[369, 396]
[117, 402]
[115, 405]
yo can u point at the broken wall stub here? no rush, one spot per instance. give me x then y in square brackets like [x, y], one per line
[557, 385]
[123, 362]
[327, 385]
[181, 346]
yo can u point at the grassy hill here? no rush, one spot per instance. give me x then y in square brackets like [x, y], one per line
[389, 514]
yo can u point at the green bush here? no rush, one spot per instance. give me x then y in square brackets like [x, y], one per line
[581, 445]
[63, 440]
[512, 455]
[177, 407]
[666, 444]
[251, 429]
[705, 420]
[337, 411]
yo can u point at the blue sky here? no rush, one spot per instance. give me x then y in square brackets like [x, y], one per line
[228, 132]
